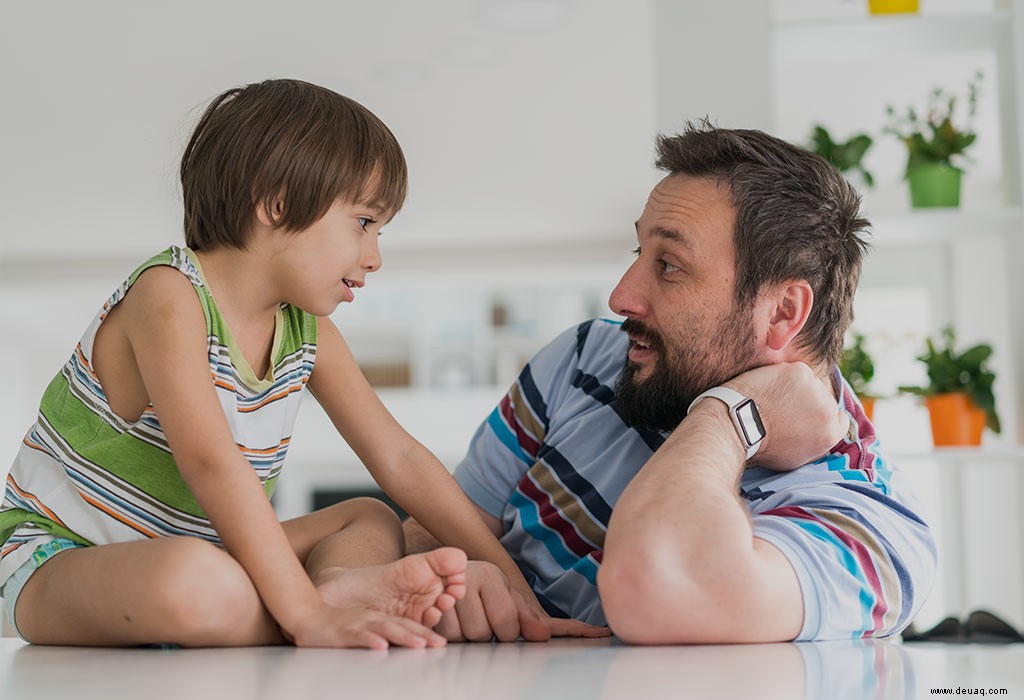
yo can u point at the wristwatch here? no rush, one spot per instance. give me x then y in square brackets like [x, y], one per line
[744, 416]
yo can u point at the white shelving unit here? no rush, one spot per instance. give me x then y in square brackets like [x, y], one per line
[928, 268]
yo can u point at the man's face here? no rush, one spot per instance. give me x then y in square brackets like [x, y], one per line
[679, 302]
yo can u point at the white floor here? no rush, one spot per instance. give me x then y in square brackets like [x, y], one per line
[562, 669]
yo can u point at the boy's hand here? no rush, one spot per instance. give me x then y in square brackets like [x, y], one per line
[491, 609]
[328, 626]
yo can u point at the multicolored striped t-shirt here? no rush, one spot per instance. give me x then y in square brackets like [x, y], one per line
[85, 474]
[553, 458]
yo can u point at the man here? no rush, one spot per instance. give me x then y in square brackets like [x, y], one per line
[701, 530]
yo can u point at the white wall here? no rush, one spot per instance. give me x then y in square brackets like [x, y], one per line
[520, 119]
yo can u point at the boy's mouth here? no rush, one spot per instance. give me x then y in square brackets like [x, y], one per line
[350, 287]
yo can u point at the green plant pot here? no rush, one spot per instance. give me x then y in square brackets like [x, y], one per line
[934, 185]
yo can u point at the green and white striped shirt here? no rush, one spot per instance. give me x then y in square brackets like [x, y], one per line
[85, 474]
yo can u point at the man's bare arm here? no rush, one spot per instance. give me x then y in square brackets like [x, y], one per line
[681, 564]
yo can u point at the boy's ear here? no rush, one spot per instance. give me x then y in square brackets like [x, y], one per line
[789, 307]
[269, 212]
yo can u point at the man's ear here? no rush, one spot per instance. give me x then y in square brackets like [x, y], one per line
[789, 306]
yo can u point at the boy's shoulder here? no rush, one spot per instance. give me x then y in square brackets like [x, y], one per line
[167, 283]
[183, 260]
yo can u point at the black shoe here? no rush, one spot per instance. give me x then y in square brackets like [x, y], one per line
[950, 631]
[985, 628]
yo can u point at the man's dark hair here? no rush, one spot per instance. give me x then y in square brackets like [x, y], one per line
[796, 218]
[290, 139]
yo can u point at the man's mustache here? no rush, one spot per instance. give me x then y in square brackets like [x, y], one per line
[636, 329]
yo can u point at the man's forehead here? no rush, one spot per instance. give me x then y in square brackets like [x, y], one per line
[679, 203]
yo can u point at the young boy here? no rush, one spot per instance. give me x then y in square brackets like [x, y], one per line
[137, 510]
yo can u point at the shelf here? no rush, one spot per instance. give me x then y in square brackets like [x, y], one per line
[931, 226]
[894, 34]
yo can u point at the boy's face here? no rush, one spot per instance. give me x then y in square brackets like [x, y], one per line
[323, 265]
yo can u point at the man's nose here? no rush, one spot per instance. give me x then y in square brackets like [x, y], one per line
[628, 298]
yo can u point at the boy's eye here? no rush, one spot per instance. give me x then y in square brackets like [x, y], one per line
[365, 221]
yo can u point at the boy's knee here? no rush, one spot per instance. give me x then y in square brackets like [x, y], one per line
[366, 510]
[204, 591]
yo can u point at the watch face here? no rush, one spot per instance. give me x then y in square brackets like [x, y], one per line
[750, 422]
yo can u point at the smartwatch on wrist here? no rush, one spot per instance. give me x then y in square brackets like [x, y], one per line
[744, 414]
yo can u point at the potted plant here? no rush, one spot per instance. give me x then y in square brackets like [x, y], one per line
[847, 155]
[858, 368]
[959, 391]
[935, 145]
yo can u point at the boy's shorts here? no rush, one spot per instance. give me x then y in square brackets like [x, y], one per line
[11, 589]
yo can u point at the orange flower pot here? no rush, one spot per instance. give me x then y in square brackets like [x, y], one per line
[955, 420]
[868, 402]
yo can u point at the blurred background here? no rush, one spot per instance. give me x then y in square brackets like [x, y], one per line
[529, 127]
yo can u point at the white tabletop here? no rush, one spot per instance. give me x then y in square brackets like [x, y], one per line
[562, 669]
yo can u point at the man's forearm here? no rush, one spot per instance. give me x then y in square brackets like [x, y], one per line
[680, 552]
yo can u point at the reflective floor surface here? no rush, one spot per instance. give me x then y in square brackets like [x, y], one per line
[562, 669]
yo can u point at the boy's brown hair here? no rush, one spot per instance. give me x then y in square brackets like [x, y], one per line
[291, 138]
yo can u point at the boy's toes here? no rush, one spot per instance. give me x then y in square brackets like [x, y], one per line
[448, 561]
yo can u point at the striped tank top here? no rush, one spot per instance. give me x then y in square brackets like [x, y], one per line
[84, 474]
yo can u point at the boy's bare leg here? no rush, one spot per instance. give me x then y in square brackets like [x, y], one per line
[186, 591]
[180, 590]
[360, 562]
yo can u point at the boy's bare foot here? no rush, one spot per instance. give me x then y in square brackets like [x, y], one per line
[420, 587]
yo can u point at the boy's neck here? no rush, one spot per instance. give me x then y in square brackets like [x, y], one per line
[238, 280]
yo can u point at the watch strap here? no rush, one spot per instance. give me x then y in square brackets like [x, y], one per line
[748, 427]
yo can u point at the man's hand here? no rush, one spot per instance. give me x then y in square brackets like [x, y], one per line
[491, 609]
[801, 417]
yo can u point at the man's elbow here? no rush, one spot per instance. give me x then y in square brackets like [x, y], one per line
[643, 599]
[652, 597]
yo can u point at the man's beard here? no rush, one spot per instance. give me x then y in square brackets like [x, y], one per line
[682, 373]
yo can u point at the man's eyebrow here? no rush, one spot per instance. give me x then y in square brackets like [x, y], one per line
[669, 235]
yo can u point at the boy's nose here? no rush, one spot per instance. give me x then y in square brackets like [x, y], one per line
[371, 261]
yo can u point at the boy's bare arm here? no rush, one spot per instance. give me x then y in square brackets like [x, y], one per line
[165, 326]
[404, 468]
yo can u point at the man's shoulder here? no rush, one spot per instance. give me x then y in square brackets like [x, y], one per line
[597, 347]
[581, 364]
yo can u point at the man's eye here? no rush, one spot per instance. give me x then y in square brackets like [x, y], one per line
[669, 267]
[636, 251]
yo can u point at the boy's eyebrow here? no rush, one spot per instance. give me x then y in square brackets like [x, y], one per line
[376, 209]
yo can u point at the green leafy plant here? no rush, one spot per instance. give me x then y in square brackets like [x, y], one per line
[932, 137]
[858, 367]
[966, 372]
[847, 156]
